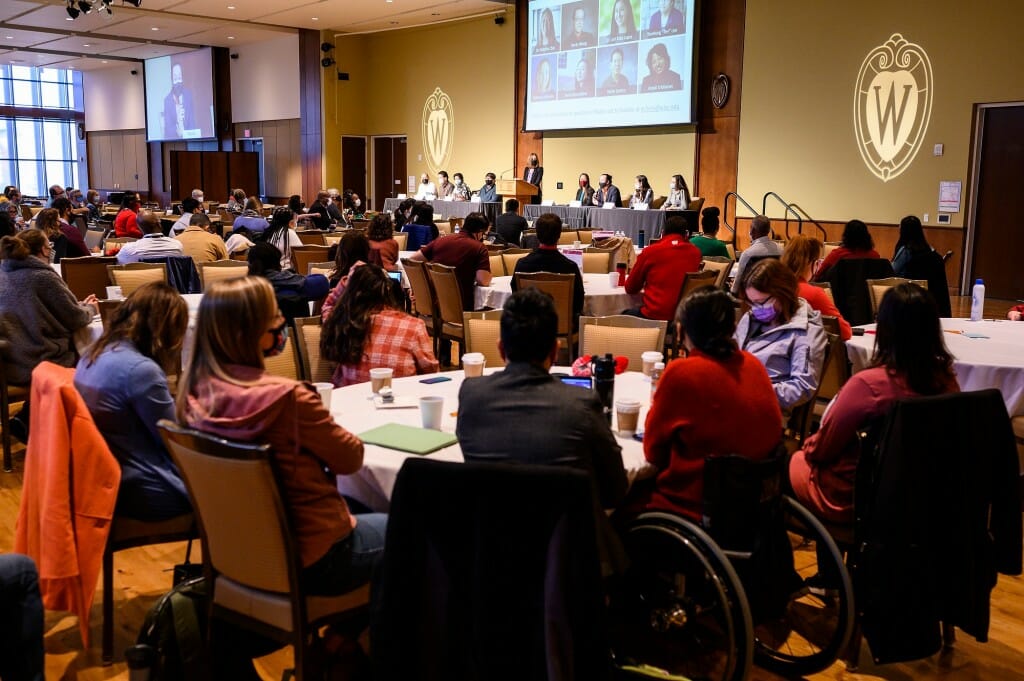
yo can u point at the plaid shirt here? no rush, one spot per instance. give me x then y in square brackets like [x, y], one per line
[396, 340]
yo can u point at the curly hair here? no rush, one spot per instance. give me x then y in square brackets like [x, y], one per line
[380, 228]
[346, 330]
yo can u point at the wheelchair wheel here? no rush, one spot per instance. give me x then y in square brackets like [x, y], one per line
[680, 612]
[816, 624]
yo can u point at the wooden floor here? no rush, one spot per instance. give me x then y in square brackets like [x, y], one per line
[143, 574]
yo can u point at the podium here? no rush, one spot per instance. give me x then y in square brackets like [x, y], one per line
[517, 189]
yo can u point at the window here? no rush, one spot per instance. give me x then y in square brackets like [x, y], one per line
[36, 153]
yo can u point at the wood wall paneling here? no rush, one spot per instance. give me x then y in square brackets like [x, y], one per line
[215, 174]
[310, 112]
[243, 171]
[525, 142]
[117, 159]
[186, 173]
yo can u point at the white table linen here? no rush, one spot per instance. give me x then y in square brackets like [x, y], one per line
[601, 298]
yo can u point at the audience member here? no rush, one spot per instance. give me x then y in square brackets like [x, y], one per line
[55, 192]
[281, 234]
[383, 247]
[22, 655]
[293, 291]
[12, 194]
[334, 205]
[421, 229]
[317, 215]
[74, 244]
[800, 255]
[123, 380]
[200, 243]
[240, 241]
[678, 195]
[915, 259]
[225, 391]
[93, 203]
[910, 360]
[368, 329]
[14, 213]
[126, 224]
[251, 218]
[510, 225]
[856, 243]
[642, 195]
[717, 400]
[707, 241]
[153, 244]
[547, 258]
[7, 225]
[189, 207]
[488, 192]
[200, 197]
[761, 246]
[660, 270]
[236, 202]
[353, 251]
[782, 331]
[403, 213]
[296, 204]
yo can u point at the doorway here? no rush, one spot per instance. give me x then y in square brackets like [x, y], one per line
[389, 167]
[353, 166]
[255, 144]
[994, 241]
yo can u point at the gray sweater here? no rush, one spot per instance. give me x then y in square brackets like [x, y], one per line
[39, 316]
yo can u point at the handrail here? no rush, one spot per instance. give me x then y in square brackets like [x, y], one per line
[725, 213]
[788, 209]
[797, 209]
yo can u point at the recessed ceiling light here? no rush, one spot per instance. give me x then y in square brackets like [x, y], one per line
[9, 37]
[231, 37]
[316, 18]
[86, 45]
[68, 19]
[104, 61]
[155, 28]
[231, 6]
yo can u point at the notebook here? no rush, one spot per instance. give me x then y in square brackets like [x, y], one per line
[408, 438]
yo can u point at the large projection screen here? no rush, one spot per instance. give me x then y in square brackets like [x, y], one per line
[179, 97]
[609, 63]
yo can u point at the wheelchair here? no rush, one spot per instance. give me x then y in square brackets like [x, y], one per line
[707, 601]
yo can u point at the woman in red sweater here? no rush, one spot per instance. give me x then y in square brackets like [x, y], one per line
[910, 359]
[126, 224]
[718, 400]
[856, 243]
[800, 255]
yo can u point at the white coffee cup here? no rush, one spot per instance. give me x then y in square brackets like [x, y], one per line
[473, 364]
[431, 410]
[577, 244]
[380, 378]
[114, 293]
[650, 358]
[613, 279]
[325, 390]
[627, 416]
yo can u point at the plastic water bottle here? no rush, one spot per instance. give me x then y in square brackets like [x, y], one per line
[978, 301]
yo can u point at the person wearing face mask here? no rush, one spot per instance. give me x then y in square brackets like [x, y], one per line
[607, 192]
[761, 246]
[179, 110]
[444, 187]
[585, 194]
[678, 194]
[126, 224]
[426, 191]
[534, 174]
[488, 192]
[782, 330]
[643, 195]
[461, 191]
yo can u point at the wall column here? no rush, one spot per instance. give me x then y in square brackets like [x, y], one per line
[310, 114]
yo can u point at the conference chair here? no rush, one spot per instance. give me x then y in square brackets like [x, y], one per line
[449, 302]
[321, 268]
[483, 331]
[798, 425]
[250, 552]
[315, 369]
[835, 374]
[598, 260]
[720, 265]
[691, 282]
[217, 270]
[113, 244]
[585, 235]
[497, 264]
[8, 393]
[561, 288]
[303, 255]
[133, 275]
[568, 237]
[424, 302]
[93, 239]
[444, 227]
[107, 309]
[513, 255]
[828, 247]
[311, 237]
[403, 240]
[332, 239]
[696, 203]
[827, 288]
[848, 278]
[87, 275]
[286, 363]
[623, 335]
[878, 287]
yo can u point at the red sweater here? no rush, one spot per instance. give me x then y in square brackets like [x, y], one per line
[127, 224]
[842, 253]
[819, 300]
[659, 272]
[704, 407]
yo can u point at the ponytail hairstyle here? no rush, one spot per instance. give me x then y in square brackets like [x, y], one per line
[708, 318]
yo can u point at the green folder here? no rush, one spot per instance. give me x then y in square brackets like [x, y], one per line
[408, 438]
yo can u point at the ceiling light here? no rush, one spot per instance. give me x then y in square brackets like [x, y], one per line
[155, 28]
[231, 37]
[231, 6]
[9, 37]
[86, 45]
[104, 61]
[316, 18]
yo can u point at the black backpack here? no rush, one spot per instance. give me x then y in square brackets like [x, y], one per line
[172, 640]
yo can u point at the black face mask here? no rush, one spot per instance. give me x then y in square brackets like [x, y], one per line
[280, 339]
[488, 181]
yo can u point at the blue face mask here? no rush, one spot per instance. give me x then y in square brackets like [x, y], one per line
[763, 313]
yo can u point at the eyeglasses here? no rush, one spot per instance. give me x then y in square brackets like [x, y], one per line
[760, 303]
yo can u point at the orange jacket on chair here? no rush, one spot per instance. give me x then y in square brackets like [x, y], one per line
[68, 495]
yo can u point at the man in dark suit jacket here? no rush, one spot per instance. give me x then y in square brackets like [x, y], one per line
[546, 258]
[553, 423]
[607, 193]
[510, 225]
[179, 95]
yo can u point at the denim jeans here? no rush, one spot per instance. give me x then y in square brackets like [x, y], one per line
[21, 620]
[350, 562]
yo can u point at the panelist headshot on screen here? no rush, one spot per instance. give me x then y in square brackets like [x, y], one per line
[617, 82]
[583, 76]
[660, 76]
[667, 20]
[623, 23]
[582, 23]
[546, 39]
[543, 79]
[179, 109]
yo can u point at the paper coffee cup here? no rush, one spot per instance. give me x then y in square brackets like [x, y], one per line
[613, 279]
[431, 410]
[114, 293]
[627, 415]
[473, 364]
[325, 390]
[650, 358]
[380, 378]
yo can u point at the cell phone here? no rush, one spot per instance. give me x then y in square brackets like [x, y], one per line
[857, 332]
[434, 379]
[397, 276]
[578, 381]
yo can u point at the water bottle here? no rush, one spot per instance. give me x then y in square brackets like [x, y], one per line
[641, 239]
[659, 368]
[603, 371]
[978, 301]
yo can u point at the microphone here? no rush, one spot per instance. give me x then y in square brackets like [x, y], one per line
[502, 176]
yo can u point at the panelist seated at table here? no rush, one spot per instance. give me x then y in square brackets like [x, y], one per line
[717, 400]
[678, 194]
[488, 192]
[123, 380]
[782, 331]
[369, 329]
[642, 195]
[153, 243]
[660, 270]
[585, 194]
[461, 192]
[226, 392]
[426, 190]
[910, 360]
[607, 193]
[547, 258]
[444, 187]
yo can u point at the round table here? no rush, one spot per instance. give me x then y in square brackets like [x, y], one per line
[996, 361]
[89, 334]
[601, 298]
[353, 409]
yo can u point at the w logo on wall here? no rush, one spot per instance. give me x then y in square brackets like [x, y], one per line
[438, 130]
[892, 106]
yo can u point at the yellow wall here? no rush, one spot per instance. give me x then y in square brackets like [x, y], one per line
[801, 60]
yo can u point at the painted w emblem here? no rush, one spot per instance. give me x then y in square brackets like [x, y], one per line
[892, 106]
[438, 130]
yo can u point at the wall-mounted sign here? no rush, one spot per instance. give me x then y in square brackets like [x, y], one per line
[892, 106]
[438, 130]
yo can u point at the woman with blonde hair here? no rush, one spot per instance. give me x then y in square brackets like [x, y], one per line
[123, 380]
[800, 255]
[226, 391]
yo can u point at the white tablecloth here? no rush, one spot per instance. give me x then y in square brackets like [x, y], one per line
[980, 363]
[601, 298]
[89, 335]
[353, 409]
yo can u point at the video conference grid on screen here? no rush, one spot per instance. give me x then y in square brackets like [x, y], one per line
[179, 96]
[609, 63]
